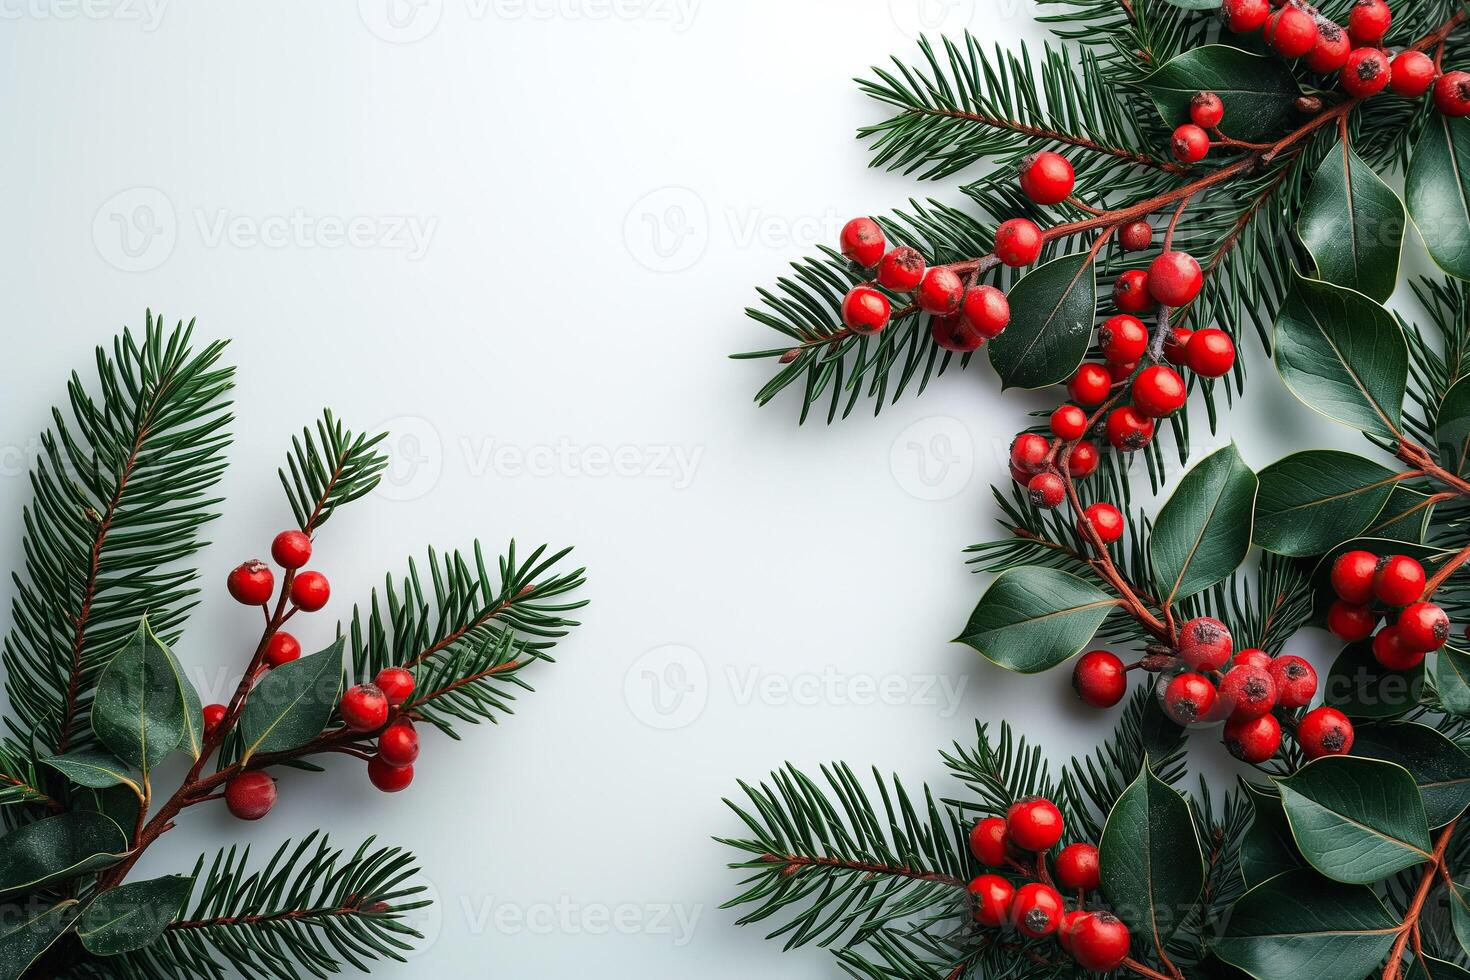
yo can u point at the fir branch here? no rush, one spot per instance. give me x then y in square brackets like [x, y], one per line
[329, 468]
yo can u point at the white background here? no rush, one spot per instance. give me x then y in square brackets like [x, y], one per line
[596, 191]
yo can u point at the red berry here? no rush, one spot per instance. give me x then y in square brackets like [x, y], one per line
[1159, 391]
[1291, 32]
[1018, 242]
[1188, 698]
[901, 270]
[1068, 422]
[213, 715]
[1174, 278]
[1130, 292]
[1020, 475]
[985, 308]
[1123, 338]
[389, 779]
[1105, 520]
[282, 649]
[862, 241]
[1206, 110]
[1037, 910]
[1121, 372]
[1423, 626]
[1368, 21]
[1365, 73]
[1350, 622]
[1398, 581]
[291, 549]
[1324, 731]
[1253, 740]
[865, 310]
[250, 795]
[954, 333]
[1452, 93]
[1081, 459]
[1176, 344]
[1046, 490]
[310, 591]
[1077, 868]
[1100, 942]
[1248, 692]
[1189, 144]
[1250, 657]
[1352, 576]
[1034, 824]
[1389, 651]
[395, 683]
[992, 896]
[1090, 385]
[1331, 50]
[1099, 679]
[940, 291]
[1411, 73]
[1129, 429]
[1071, 919]
[364, 708]
[1205, 643]
[1296, 681]
[1136, 236]
[988, 841]
[1210, 352]
[1047, 177]
[1244, 16]
[398, 746]
[252, 583]
[1029, 451]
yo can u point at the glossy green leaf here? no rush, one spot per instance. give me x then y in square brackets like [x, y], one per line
[1267, 848]
[1452, 680]
[293, 704]
[141, 710]
[1459, 901]
[1152, 866]
[1441, 769]
[1342, 355]
[1436, 969]
[1259, 93]
[1299, 925]
[94, 769]
[1052, 312]
[28, 933]
[1362, 688]
[1313, 500]
[1437, 189]
[1404, 518]
[1356, 820]
[58, 848]
[1352, 223]
[1452, 428]
[1032, 618]
[131, 916]
[1204, 530]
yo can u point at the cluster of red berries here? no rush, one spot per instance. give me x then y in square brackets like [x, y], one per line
[1363, 66]
[1205, 680]
[366, 708]
[253, 583]
[1370, 588]
[1098, 941]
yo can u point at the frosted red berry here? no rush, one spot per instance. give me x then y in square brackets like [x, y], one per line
[1291, 32]
[1411, 73]
[1029, 451]
[1189, 143]
[398, 746]
[865, 311]
[955, 334]
[988, 841]
[1389, 650]
[1423, 626]
[1068, 422]
[1099, 679]
[310, 591]
[1210, 353]
[1350, 621]
[1123, 338]
[1205, 643]
[364, 707]
[992, 896]
[1106, 521]
[940, 291]
[1136, 236]
[1158, 391]
[1100, 942]
[1365, 72]
[1189, 697]
[1037, 910]
[1368, 21]
[1090, 385]
[1244, 16]
[291, 549]
[1046, 490]
[1324, 731]
[213, 714]
[1452, 93]
[389, 779]
[1071, 919]
[901, 270]
[1081, 460]
[252, 583]
[395, 683]
[1174, 278]
[862, 242]
[1018, 242]
[1129, 430]
[1398, 581]
[250, 795]
[1047, 177]
[1130, 292]
[1077, 868]
[1247, 692]
[986, 309]
[1206, 110]
[1331, 50]
[1296, 681]
[1034, 824]
[1253, 740]
[1352, 576]
[1250, 657]
[282, 648]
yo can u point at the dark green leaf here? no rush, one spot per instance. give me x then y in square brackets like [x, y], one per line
[1313, 500]
[1440, 768]
[1031, 619]
[1353, 225]
[1404, 518]
[1052, 310]
[140, 710]
[1343, 355]
[293, 704]
[1437, 189]
[1204, 530]
[1268, 847]
[94, 769]
[1301, 925]
[25, 936]
[1360, 687]
[131, 916]
[1259, 93]
[1452, 680]
[1436, 969]
[1452, 428]
[1356, 820]
[1152, 868]
[1460, 913]
[58, 848]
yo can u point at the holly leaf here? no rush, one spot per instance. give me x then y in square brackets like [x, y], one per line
[293, 704]
[94, 769]
[58, 848]
[1356, 820]
[1440, 768]
[1452, 428]
[140, 711]
[1437, 189]
[1404, 518]
[1360, 687]
[1342, 355]
[1267, 849]
[1204, 530]
[1152, 867]
[1030, 619]
[24, 937]
[1452, 680]
[1259, 93]
[1352, 223]
[133, 915]
[1313, 500]
[1299, 924]
[1052, 310]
